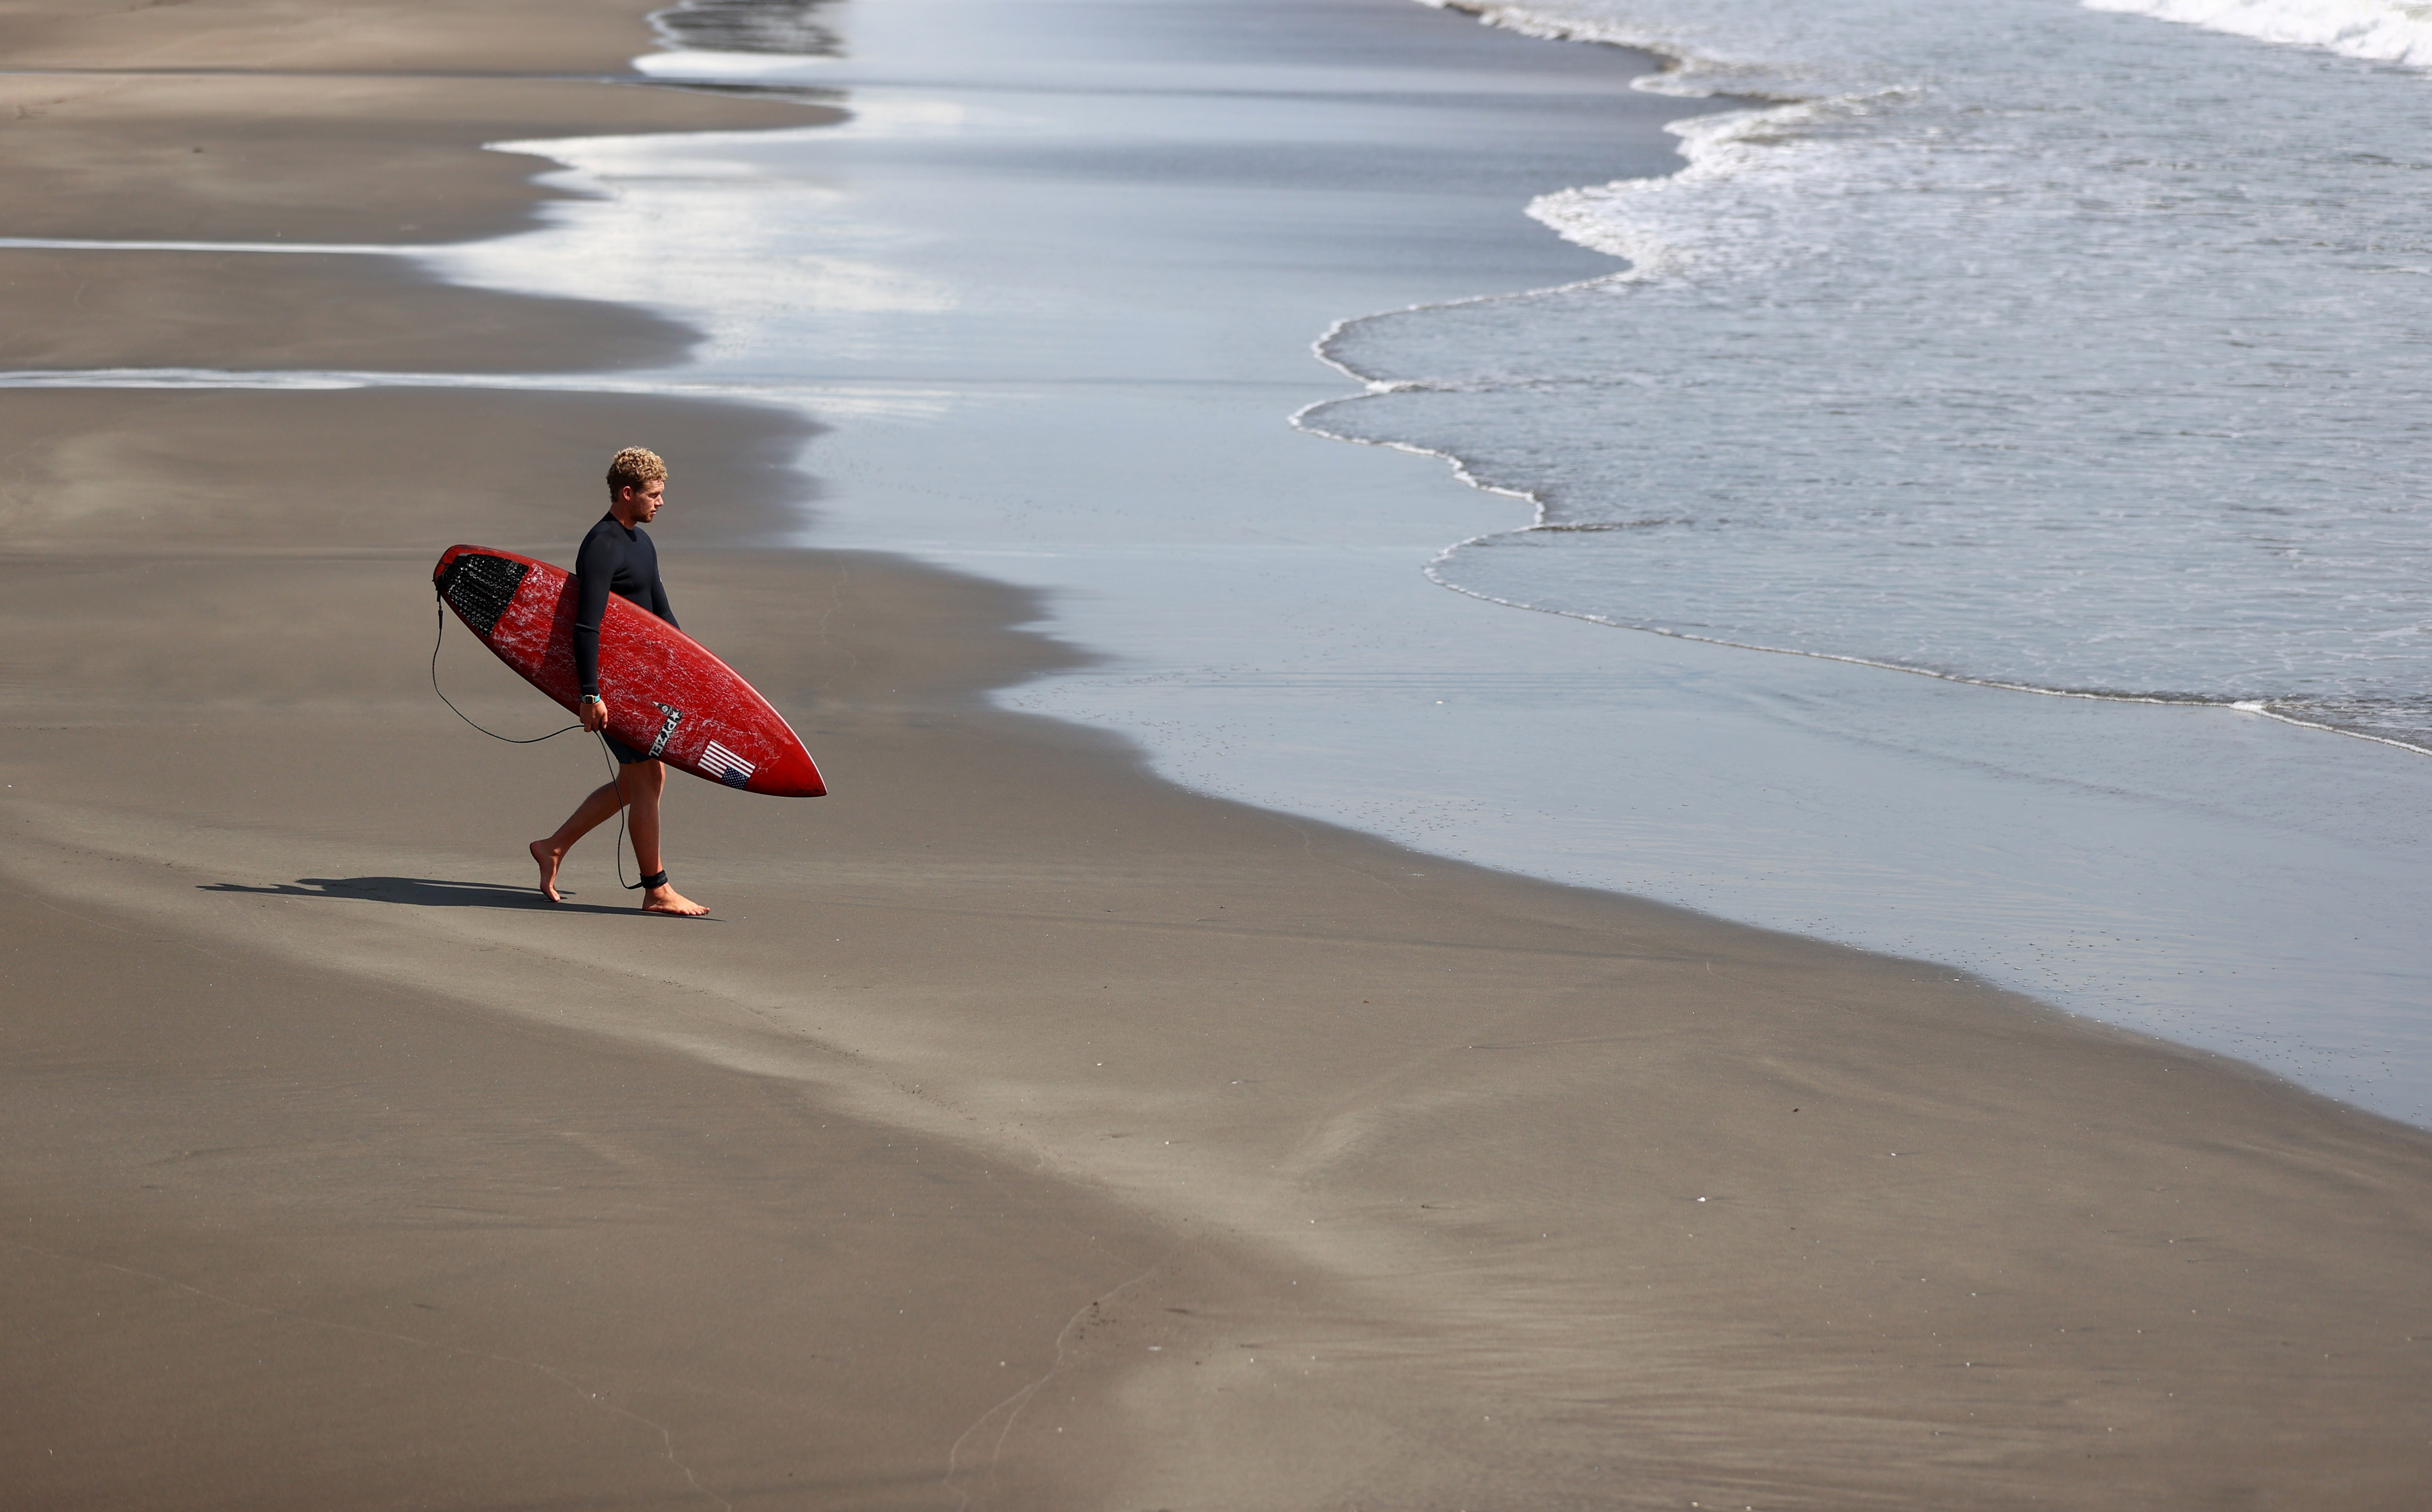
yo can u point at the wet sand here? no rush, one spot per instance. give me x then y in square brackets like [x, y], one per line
[1021, 1132]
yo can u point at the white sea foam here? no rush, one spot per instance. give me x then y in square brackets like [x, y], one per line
[2034, 345]
[2383, 30]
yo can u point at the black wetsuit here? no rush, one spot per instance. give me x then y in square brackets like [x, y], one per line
[612, 559]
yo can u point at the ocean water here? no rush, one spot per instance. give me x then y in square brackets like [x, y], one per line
[2039, 343]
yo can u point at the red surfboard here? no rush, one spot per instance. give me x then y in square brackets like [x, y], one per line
[667, 696]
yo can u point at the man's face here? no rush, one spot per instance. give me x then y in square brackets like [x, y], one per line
[645, 501]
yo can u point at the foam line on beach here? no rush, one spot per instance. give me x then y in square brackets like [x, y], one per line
[2249, 706]
[1301, 421]
[2376, 31]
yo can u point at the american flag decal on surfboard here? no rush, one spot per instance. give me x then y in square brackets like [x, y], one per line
[725, 765]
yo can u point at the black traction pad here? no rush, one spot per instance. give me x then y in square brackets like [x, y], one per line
[480, 587]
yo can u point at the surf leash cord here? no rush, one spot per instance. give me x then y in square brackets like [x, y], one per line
[436, 642]
[615, 774]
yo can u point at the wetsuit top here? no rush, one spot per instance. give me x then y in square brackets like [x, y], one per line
[611, 559]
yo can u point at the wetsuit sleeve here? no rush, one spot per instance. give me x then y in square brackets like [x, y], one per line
[594, 570]
[659, 601]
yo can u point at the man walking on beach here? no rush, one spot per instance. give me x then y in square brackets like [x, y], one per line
[617, 557]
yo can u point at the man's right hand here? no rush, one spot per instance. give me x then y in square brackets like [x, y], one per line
[593, 713]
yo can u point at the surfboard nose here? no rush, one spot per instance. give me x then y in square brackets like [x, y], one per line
[792, 775]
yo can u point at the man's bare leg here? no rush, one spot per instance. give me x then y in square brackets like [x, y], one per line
[643, 782]
[596, 808]
[638, 783]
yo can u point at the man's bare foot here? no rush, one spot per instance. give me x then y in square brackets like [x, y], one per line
[547, 860]
[663, 899]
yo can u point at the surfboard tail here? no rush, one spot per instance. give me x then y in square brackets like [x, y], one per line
[477, 584]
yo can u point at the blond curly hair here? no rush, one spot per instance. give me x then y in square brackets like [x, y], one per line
[634, 467]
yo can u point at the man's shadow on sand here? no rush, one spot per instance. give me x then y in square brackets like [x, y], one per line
[416, 892]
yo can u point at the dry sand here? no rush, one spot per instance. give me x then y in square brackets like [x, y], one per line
[1021, 1132]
